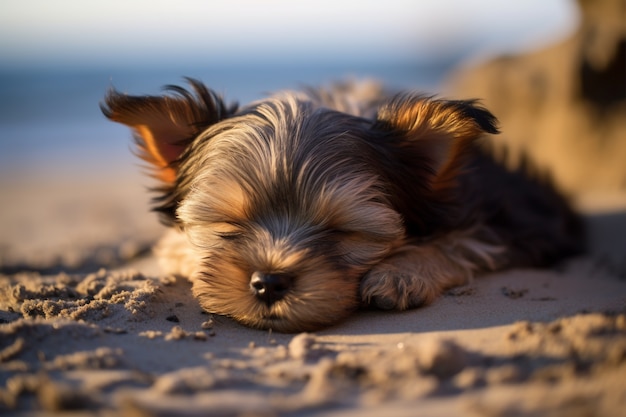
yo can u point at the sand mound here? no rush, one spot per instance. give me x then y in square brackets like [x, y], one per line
[563, 105]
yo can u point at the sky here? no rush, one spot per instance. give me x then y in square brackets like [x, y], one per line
[146, 32]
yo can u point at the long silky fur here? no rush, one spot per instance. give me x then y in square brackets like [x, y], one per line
[362, 197]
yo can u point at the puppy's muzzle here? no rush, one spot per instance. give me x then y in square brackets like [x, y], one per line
[270, 287]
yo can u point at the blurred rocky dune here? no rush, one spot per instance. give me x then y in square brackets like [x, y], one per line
[564, 105]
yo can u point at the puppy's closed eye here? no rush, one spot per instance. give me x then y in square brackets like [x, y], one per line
[226, 230]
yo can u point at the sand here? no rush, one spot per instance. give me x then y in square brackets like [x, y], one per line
[90, 326]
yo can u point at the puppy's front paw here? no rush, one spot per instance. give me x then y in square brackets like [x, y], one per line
[398, 287]
[412, 277]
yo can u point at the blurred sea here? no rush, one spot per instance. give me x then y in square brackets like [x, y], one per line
[50, 120]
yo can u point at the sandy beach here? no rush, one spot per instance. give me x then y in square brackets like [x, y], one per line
[90, 326]
[95, 328]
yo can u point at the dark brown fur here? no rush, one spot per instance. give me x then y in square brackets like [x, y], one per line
[290, 213]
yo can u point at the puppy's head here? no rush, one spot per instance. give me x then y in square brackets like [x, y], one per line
[288, 203]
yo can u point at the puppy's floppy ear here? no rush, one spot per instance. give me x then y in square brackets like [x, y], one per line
[439, 131]
[165, 125]
[427, 144]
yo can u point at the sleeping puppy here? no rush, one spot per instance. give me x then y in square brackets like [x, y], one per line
[292, 212]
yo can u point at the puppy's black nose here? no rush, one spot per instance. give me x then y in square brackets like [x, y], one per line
[270, 288]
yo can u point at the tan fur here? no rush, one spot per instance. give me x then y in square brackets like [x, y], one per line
[322, 294]
[176, 256]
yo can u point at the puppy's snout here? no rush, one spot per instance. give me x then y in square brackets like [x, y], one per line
[270, 288]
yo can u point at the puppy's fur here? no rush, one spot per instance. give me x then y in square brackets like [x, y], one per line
[292, 212]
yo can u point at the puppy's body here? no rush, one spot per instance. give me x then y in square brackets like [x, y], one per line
[292, 212]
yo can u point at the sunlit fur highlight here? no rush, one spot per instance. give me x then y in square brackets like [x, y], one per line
[360, 197]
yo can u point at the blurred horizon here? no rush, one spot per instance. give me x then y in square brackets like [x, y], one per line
[222, 33]
[58, 58]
